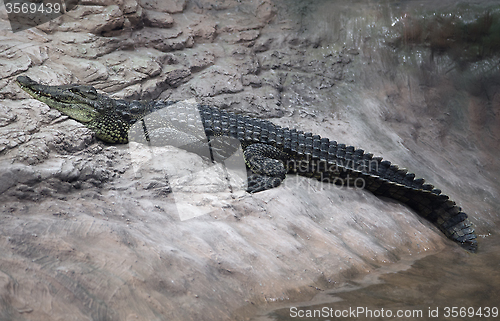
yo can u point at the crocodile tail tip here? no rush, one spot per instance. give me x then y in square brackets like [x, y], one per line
[470, 245]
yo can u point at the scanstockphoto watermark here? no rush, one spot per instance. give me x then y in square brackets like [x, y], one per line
[196, 190]
[358, 312]
[342, 173]
[324, 182]
[339, 165]
[368, 313]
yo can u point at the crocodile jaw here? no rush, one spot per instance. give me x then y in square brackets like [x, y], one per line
[67, 99]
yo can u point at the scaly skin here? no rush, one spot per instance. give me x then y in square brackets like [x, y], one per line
[270, 151]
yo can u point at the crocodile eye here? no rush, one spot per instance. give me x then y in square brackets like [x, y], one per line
[91, 93]
[76, 91]
[86, 92]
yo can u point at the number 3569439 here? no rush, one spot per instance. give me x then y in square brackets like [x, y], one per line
[485, 312]
[20, 8]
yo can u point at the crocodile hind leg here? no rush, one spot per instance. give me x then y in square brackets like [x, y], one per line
[266, 163]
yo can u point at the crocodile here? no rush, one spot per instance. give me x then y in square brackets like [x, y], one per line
[270, 151]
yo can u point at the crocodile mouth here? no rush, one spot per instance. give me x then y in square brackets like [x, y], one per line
[29, 86]
[71, 100]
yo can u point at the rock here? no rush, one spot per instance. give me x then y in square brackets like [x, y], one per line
[125, 68]
[51, 73]
[203, 28]
[89, 45]
[169, 6]
[215, 5]
[263, 102]
[196, 59]
[131, 92]
[216, 80]
[133, 20]
[93, 19]
[16, 57]
[163, 39]
[6, 115]
[158, 19]
[9, 68]
[263, 44]
[171, 77]
[265, 11]
[251, 80]
[247, 35]
[151, 231]
[88, 72]
[130, 7]
[174, 75]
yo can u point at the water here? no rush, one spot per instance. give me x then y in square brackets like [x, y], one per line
[451, 284]
[434, 287]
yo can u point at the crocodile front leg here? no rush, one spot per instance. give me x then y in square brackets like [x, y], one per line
[267, 165]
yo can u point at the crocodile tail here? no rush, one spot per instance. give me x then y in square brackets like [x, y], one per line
[385, 179]
[446, 215]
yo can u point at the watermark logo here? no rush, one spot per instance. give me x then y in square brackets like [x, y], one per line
[342, 173]
[168, 138]
[158, 140]
[25, 14]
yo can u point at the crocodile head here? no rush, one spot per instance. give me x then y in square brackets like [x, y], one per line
[104, 115]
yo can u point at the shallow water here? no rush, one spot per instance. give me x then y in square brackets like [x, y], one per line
[436, 287]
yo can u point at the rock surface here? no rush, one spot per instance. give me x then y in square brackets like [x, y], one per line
[86, 235]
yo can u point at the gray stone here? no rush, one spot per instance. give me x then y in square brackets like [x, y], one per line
[216, 80]
[197, 58]
[93, 19]
[84, 45]
[169, 6]
[158, 19]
